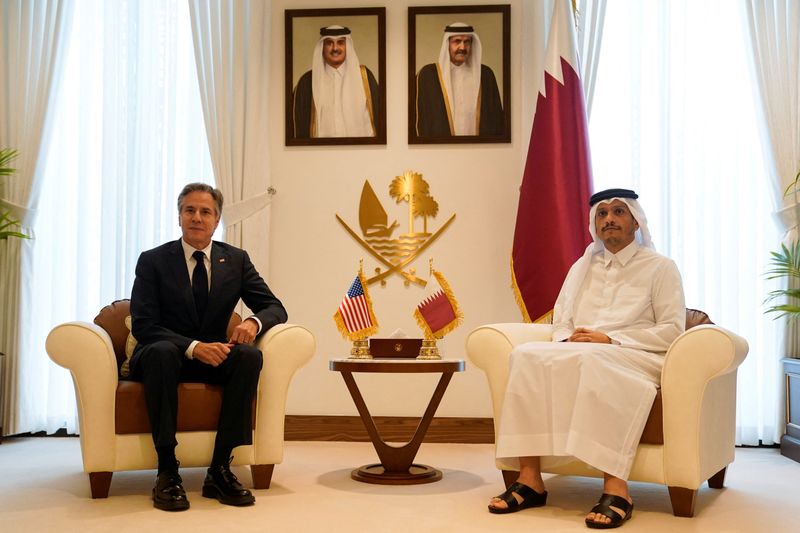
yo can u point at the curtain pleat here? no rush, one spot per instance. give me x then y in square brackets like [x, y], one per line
[230, 39]
[126, 136]
[591, 15]
[775, 46]
[32, 34]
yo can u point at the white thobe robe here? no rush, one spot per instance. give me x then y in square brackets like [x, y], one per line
[464, 100]
[330, 108]
[340, 101]
[590, 401]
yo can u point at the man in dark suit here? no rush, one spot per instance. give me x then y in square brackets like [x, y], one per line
[182, 300]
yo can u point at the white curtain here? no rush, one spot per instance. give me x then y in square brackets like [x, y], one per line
[231, 45]
[127, 135]
[674, 118]
[775, 45]
[591, 15]
[31, 50]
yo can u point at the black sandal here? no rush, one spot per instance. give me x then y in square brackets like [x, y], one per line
[604, 507]
[530, 498]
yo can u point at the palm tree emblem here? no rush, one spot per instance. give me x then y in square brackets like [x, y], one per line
[396, 252]
[411, 188]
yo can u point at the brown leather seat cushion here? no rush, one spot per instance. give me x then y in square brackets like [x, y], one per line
[654, 427]
[130, 409]
[205, 401]
[112, 319]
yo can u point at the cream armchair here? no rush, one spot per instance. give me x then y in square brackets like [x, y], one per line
[689, 437]
[114, 430]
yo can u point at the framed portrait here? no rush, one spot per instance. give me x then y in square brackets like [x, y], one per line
[459, 64]
[335, 76]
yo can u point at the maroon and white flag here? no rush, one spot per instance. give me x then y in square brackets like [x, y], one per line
[551, 231]
[438, 313]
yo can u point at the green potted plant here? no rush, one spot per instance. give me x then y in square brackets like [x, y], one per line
[7, 220]
[785, 265]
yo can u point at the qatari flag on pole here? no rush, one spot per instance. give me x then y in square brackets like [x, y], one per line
[551, 231]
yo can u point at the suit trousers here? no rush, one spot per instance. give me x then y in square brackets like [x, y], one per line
[162, 365]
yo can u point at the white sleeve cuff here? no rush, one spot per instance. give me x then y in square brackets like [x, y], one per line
[254, 317]
[190, 350]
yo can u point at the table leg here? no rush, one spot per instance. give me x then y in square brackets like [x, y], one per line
[396, 466]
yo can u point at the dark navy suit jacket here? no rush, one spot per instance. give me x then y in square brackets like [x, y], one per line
[162, 305]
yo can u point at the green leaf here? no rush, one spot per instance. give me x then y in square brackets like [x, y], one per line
[785, 263]
[793, 186]
[6, 222]
[6, 156]
[787, 293]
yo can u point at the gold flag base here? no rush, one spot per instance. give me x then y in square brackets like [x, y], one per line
[429, 350]
[360, 350]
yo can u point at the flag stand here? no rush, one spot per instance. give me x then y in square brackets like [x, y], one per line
[429, 350]
[360, 350]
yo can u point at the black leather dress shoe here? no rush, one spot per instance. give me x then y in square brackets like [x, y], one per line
[168, 494]
[222, 484]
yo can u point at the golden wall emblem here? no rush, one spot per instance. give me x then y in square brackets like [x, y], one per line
[377, 237]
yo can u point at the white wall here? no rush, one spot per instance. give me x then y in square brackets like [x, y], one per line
[312, 260]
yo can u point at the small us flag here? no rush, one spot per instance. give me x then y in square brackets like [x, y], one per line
[354, 317]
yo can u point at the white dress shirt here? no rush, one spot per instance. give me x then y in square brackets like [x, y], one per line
[188, 251]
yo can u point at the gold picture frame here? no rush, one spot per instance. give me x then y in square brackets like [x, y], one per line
[430, 117]
[367, 29]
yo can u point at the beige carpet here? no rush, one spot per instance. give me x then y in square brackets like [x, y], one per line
[43, 488]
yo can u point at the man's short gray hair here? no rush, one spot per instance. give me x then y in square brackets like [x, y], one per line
[216, 194]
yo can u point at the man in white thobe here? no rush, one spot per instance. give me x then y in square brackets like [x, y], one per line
[338, 97]
[587, 395]
[458, 95]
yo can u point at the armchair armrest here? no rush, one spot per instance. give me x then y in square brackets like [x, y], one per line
[698, 387]
[86, 351]
[489, 347]
[286, 348]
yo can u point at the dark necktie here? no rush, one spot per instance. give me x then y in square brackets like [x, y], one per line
[200, 283]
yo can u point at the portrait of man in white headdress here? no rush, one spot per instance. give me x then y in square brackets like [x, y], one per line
[338, 97]
[458, 95]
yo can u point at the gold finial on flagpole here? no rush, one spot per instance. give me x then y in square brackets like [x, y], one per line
[576, 14]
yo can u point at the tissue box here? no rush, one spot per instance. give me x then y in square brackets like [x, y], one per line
[406, 348]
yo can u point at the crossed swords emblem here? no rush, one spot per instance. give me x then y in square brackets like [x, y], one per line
[409, 187]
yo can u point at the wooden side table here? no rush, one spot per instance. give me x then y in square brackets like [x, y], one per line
[397, 463]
